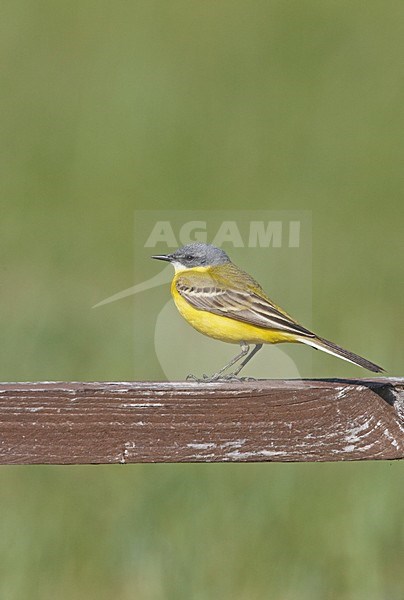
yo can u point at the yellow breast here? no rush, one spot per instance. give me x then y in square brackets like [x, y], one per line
[224, 328]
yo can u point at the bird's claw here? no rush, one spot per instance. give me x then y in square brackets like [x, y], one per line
[218, 378]
[191, 377]
[204, 379]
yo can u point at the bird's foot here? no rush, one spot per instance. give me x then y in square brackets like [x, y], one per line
[191, 377]
[234, 377]
[207, 378]
[218, 377]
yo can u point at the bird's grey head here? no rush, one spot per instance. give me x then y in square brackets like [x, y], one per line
[195, 255]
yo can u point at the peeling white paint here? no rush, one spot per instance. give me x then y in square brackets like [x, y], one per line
[123, 456]
[354, 435]
[237, 455]
[197, 446]
[273, 453]
[141, 405]
[204, 457]
[235, 444]
[349, 448]
[353, 448]
[343, 392]
[365, 448]
[391, 439]
[130, 445]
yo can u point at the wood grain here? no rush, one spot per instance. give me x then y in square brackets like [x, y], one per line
[264, 420]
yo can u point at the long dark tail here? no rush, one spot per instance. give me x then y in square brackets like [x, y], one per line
[331, 348]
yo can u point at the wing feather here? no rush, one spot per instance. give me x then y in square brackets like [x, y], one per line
[242, 305]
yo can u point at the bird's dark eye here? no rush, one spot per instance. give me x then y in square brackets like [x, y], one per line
[189, 257]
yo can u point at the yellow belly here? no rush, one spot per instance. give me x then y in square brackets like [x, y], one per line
[225, 329]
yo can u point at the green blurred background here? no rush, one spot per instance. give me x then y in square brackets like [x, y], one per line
[107, 108]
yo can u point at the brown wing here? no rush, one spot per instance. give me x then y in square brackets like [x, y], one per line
[204, 293]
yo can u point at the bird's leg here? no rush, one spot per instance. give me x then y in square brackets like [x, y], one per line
[218, 376]
[206, 378]
[244, 350]
[246, 360]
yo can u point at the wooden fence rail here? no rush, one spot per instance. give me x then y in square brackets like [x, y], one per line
[263, 420]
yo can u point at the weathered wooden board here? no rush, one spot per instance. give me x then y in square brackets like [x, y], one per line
[264, 420]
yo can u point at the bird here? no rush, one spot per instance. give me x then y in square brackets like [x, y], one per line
[222, 301]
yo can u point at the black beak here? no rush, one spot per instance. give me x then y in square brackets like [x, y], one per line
[166, 257]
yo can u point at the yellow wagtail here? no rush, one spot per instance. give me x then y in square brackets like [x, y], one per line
[223, 302]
